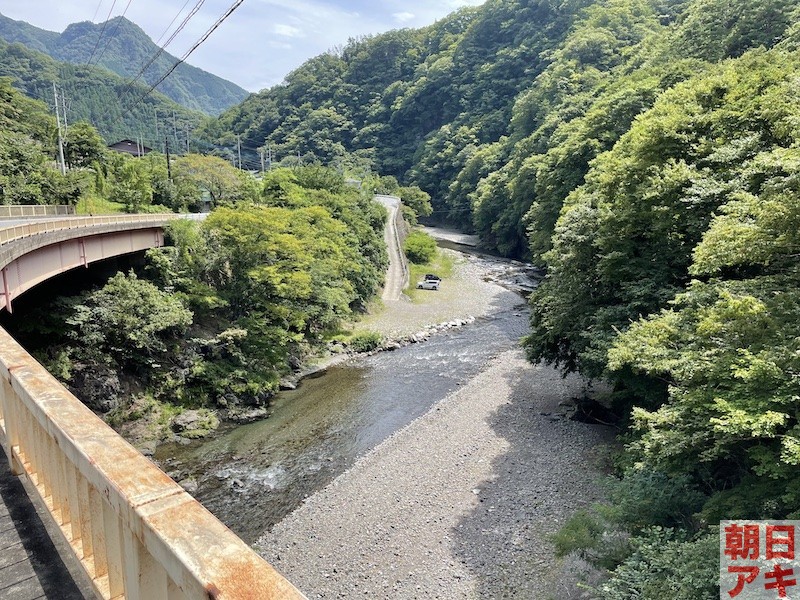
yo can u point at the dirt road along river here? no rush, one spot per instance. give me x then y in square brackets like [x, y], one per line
[397, 273]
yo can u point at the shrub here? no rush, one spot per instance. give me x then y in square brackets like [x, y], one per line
[129, 319]
[645, 497]
[665, 566]
[591, 537]
[365, 341]
[581, 532]
[420, 248]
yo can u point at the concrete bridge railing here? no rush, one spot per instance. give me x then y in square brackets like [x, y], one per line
[14, 233]
[35, 210]
[137, 533]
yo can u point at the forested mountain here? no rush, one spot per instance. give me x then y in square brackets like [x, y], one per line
[405, 97]
[118, 110]
[646, 153]
[123, 48]
[513, 84]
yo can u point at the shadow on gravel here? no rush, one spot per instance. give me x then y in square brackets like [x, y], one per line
[552, 468]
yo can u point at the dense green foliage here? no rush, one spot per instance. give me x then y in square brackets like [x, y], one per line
[29, 173]
[128, 320]
[672, 272]
[419, 247]
[418, 103]
[27, 145]
[252, 289]
[124, 49]
[644, 151]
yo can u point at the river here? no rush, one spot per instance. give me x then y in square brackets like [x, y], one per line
[251, 476]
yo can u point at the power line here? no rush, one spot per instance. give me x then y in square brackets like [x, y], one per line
[114, 33]
[175, 18]
[181, 60]
[197, 44]
[130, 83]
[102, 30]
[97, 10]
[161, 49]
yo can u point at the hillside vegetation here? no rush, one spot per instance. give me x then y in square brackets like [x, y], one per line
[230, 306]
[117, 110]
[125, 49]
[646, 153]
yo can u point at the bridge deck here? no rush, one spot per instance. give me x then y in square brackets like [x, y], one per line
[30, 565]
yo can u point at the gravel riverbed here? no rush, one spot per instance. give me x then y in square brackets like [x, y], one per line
[458, 504]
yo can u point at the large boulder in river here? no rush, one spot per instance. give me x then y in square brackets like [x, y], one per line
[194, 424]
[97, 386]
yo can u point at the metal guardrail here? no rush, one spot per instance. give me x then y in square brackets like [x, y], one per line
[136, 532]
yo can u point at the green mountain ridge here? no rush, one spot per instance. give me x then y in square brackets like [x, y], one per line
[446, 106]
[124, 49]
[94, 94]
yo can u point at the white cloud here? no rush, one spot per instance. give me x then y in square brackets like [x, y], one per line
[287, 30]
[403, 17]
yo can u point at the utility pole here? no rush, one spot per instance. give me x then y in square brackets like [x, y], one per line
[239, 149]
[169, 168]
[269, 157]
[155, 114]
[187, 137]
[261, 153]
[64, 106]
[60, 140]
[174, 129]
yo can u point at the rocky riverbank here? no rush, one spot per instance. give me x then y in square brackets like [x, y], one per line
[477, 288]
[459, 504]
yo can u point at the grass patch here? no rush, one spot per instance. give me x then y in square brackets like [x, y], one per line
[442, 265]
[98, 206]
[359, 340]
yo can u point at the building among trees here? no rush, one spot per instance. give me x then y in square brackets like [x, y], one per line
[130, 147]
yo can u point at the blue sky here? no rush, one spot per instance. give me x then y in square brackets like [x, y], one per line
[260, 43]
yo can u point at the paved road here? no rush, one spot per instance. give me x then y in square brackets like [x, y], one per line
[14, 221]
[397, 274]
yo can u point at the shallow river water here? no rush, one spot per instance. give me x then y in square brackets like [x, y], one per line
[251, 476]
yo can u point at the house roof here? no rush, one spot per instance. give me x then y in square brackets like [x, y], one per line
[130, 147]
